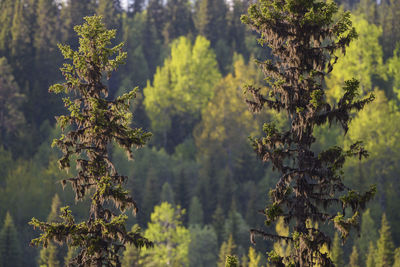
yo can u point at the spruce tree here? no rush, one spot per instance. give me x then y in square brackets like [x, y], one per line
[10, 251]
[337, 251]
[354, 258]
[196, 215]
[370, 259]
[11, 102]
[6, 20]
[384, 246]
[92, 124]
[303, 36]
[49, 256]
[396, 258]
[227, 248]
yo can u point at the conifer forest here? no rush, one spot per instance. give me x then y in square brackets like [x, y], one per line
[201, 133]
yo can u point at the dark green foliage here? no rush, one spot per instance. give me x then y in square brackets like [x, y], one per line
[97, 122]
[10, 251]
[337, 251]
[389, 13]
[231, 261]
[354, 258]
[167, 194]
[11, 100]
[21, 48]
[6, 15]
[210, 19]
[384, 246]
[203, 246]
[227, 249]
[196, 215]
[178, 19]
[303, 36]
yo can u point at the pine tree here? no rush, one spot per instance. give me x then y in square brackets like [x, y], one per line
[41, 106]
[21, 47]
[337, 251]
[227, 248]
[96, 123]
[389, 12]
[72, 13]
[210, 19]
[396, 258]
[135, 6]
[231, 261]
[218, 222]
[354, 258]
[368, 233]
[11, 100]
[150, 196]
[109, 11]
[167, 194]
[203, 246]
[178, 19]
[254, 258]
[131, 256]
[384, 246]
[6, 18]
[10, 251]
[49, 256]
[303, 36]
[196, 215]
[370, 259]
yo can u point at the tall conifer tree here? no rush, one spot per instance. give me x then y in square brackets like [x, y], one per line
[6, 18]
[303, 36]
[384, 246]
[96, 122]
[10, 251]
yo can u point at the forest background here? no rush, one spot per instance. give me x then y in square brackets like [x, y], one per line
[199, 173]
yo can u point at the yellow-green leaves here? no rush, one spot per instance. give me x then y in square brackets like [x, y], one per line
[184, 84]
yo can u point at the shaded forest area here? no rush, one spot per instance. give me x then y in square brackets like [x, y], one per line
[190, 61]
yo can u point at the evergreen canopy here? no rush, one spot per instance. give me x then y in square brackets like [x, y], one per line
[304, 37]
[92, 124]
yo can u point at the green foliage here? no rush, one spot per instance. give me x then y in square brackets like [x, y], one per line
[231, 261]
[196, 215]
[49, 256]
[363, 61]
[10, 250]
[167, 194]
[394, 70]
[370, 261]
[203, 246]
[354, 258]
[304, 37]
[97, 123]
[171, 239]
[227, 249]
[254, 258]
[337, 251]
[384, 246]
[6, 17]
[226, 118]
[368, 234]
[131, 256]
[183, 86]
[396, 258]
[11, 100]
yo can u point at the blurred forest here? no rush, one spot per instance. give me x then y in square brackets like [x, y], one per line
[199, 174]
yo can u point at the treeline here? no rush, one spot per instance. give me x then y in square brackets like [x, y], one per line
[190, 61]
